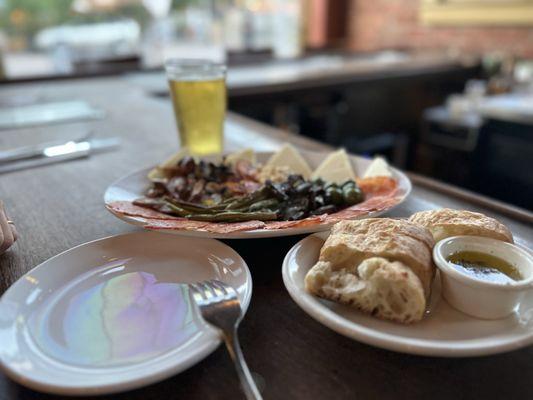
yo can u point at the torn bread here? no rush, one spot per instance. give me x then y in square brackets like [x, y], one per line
[446, 222]
[377, 286]
[394, 239]
[382, 266]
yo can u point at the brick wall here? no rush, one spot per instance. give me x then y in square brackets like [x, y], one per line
[382, 24]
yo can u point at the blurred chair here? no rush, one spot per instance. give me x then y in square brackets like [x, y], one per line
[503, 162]
[447, 144]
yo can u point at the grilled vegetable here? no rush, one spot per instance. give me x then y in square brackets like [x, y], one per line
[208, 192]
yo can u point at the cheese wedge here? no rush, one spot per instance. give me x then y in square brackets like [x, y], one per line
[335, 168]
[245, 154]
[290, 158]
[378, 167]
[156, 173]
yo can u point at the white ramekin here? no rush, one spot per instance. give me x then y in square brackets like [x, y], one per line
[483, 299]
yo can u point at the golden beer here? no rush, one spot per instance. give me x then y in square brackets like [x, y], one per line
[198, 91]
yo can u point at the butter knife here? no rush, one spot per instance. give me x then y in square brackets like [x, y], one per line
[36, 150]
[58, 153]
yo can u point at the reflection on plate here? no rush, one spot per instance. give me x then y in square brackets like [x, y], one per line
[133, 186]
[114, 311]
[445, 332]
[109, 317]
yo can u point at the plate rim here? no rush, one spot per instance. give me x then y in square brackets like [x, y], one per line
[388, 341]
[133, 383]
[255, 233]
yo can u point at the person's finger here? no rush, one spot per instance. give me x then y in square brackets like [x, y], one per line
[14, 232]
[10, 223]
[8, 238]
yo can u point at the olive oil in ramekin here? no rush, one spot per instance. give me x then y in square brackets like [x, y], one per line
[484, 267]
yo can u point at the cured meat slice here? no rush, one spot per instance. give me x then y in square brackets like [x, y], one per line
[213, 227]
[128, 208]
[228, 227]
[183, 224]
[309, 221]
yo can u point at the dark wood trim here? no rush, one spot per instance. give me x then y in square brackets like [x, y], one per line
[342, 79]
[474, 198]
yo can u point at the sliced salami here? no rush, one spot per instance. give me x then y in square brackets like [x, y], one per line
[309, 221]
[128, 208]
[224, 227]
[181, 224]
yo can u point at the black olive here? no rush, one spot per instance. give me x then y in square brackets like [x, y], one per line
[276, 190]
[303, 187]
[319, 201]
[316, 189]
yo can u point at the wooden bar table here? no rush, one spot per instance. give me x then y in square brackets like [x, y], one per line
[60, 206]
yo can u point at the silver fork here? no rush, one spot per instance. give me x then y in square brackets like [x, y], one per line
[219, 305]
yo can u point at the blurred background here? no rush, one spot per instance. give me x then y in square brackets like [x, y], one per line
[443, 88]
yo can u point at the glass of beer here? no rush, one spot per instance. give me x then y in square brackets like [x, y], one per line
[198, 91]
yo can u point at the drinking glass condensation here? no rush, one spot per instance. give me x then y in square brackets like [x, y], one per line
[198, 90]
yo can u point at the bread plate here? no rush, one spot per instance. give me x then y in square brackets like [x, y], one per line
[114, 314]
[134, 185]
[444, 332]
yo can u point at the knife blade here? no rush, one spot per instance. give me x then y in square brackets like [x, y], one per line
[36, 150]
[60, 153]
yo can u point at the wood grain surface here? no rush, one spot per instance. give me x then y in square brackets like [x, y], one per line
[60, 206]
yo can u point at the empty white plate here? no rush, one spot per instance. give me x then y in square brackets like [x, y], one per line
[445, 332]
[112, 314]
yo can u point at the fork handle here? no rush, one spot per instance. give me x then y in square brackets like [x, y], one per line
[247, 381]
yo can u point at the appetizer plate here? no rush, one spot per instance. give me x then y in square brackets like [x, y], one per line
[113, 314]
[444, 332]
[133, 186]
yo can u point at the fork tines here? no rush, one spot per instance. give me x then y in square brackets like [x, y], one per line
[211, 290]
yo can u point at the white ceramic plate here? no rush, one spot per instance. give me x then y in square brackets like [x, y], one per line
[445, 332]
[112, 315]
[133, 186]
